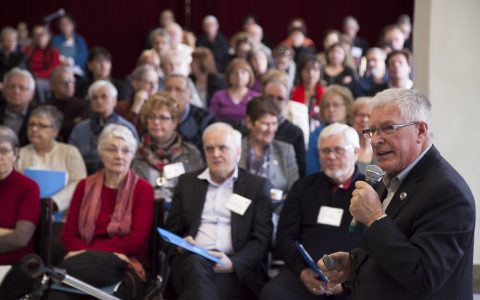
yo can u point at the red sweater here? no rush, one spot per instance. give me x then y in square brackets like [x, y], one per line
[133, 244]
[19, 201]
[43, 61]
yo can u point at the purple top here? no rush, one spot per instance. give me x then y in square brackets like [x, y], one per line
[223, 107]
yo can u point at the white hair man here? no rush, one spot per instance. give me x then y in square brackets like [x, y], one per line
[317, 206]
[19, 90]
[418, 243]
[227, 211]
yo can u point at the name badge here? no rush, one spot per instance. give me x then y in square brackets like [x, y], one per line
[330, 216]
[173, 170]
[276, 194]
[238, 204]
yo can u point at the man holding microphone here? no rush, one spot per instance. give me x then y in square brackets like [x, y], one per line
[418, 241]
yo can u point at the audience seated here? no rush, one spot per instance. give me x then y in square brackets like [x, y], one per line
[332, 37]
[240, 239]
[240, 45]
[19, 88]
[399, 68]
[20, 213]
[144, 80]
[159, 40]
[336, 71]
[350, 32]
[259, 61]
[286, 131]
[71, 46]
[336, 106]
[42, 59]
[103, 99]
[10, 55]
[24, 38]
[176, 36]
[74, 109]
[361, 110]
[297, 39]
[309, 90]
[44, 152]
[192, 119]
[375, 76]
[110, 218]
[255, 31]
[163, 155]
[316, 215]
[263, 156]
[283, 61]
[99, 67]
[405, 25]
[230, 104]
[214, 40]
[204, 75]
[393, 38]
[150, 57]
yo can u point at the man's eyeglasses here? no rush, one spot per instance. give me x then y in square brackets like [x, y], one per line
[385, 130]
[39, 125]
[338, 150]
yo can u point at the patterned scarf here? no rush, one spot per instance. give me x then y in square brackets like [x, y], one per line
[259, 166]
[160, 156]
[121, 219]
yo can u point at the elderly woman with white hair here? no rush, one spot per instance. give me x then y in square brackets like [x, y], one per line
[110, 217]
[103, 99]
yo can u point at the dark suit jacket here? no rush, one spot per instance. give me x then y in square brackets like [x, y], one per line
[22, 133]
[424, 248]
[251, 233]
[292, 134]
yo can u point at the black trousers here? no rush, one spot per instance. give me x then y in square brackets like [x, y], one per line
[193, 278]
[286, 285]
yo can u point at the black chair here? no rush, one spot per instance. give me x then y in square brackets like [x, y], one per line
[42, 238]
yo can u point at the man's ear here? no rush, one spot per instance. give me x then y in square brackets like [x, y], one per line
[422, 131]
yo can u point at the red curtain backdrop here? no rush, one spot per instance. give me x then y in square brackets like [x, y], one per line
[122, 25]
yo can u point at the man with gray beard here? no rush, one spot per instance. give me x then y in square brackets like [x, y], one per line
[316, 214]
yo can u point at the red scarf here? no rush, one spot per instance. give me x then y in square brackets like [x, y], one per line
[121, 219]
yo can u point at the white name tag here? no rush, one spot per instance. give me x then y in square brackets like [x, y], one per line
[276, 194]
[173, 170]
[330, 216]
[238, 204]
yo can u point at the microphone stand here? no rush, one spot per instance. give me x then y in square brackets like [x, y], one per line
[32, 264]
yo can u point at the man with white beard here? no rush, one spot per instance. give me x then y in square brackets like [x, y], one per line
[316, 214]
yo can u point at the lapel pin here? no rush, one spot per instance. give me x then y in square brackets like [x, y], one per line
[403, 195]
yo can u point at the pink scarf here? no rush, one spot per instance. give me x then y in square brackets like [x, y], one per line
[121, 219]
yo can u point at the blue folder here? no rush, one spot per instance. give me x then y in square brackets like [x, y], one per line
[180, 242]
[308, 259]
[49, 181]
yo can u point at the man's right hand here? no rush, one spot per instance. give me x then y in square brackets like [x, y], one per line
[335, 276]
[312, 283]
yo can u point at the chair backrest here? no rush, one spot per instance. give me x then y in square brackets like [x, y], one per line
[154, 243]
[42, 238]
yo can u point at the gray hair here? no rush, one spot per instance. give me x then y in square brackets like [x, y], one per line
[412, 104]
[139, 71]
[235, 135]
[58, 71]
[113, 131]
[349, 133]
[6, 31]
[20, 72]
[158, 32]
[112, 91]
[210, 18]
[8, 135]
[50, 112]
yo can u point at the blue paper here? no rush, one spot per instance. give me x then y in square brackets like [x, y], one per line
[49, 181]
[176, 240]
[308, 259]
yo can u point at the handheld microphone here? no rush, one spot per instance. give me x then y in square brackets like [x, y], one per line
[373, 174]
[59, 13]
